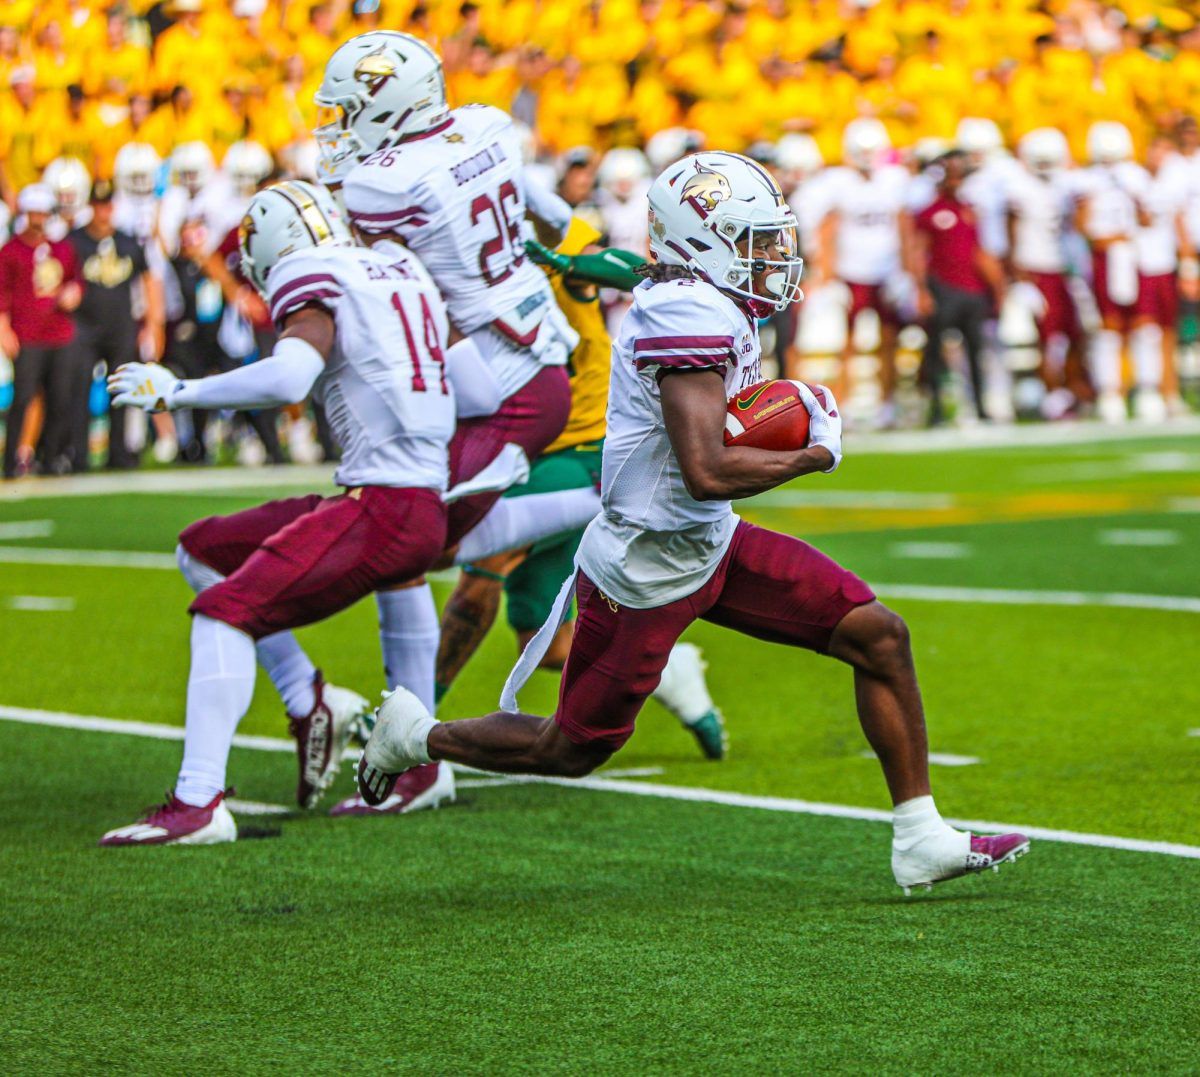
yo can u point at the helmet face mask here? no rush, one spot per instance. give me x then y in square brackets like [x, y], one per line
[378, 88]
[286, 218]
[724, 217]
[1043, 151]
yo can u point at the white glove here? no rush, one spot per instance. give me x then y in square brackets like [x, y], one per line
[149, 386]
[824, 423]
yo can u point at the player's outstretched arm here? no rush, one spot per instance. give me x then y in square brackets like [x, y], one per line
[284, 377]
[694, 406]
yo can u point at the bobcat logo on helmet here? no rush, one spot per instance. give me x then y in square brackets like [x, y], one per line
[706, 188]
[374, 70]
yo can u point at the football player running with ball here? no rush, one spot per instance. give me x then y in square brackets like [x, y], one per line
[364, 331]
[668, 549]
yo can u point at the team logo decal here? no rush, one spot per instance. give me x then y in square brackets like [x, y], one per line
[657, 227]
[374, 70]
[706, 188]
[247, 230]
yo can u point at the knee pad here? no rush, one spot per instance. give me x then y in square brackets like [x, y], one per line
[198, 575]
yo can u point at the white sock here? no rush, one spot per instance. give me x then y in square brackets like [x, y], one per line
[220, 685]
[1147, 347]
[514, 522]
[409, 633]
[290, 669]
[1106, 360]
[1056, 352]
[914, 821]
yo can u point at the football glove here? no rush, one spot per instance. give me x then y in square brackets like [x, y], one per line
[824, 422]
[610, 268]
[149, 386]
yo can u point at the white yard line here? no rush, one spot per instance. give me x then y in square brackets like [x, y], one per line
[600, 783]
[996, 596]
[39, 604]
[930, 551]
[31, 555]
[940, 759]
[26, 529]
[257, 807]
[1129, 536]
[36, 555]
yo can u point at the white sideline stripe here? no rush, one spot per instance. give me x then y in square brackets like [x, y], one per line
[996, 596]
[39, 603]
[930, 551]
[26, 529]
[168, 482]
[1193, 733]
[257, 807]
[637, 788]
[36, 555]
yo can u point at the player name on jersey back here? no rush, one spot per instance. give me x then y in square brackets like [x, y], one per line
[456, 196]
[384, 387]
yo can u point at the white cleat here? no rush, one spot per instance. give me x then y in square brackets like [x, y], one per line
[1149, 406]
[398, 743]
[952, 854]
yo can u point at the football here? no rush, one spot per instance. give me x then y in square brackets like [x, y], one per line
[769, 415]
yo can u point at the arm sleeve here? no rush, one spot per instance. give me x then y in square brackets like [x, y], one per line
[678, 331]
[283, 378]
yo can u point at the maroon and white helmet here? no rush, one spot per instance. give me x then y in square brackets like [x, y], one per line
[1043, 150]
[703, 205]
[378, 88]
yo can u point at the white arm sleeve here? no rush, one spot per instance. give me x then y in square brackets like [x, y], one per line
[545, 205]
[476, 390]
[286, 377]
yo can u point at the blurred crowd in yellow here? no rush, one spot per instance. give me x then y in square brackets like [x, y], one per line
[83, 77]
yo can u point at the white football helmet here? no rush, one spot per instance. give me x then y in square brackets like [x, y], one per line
[71, 183]
[378, 88]
[798, 155]
[669, 145]
[621, 169]
[285, 218]
[247, 164]
[1043, 150]
[135, 170]
[702, 206]
[1108, 143]
[192, 166]
[863, 141]
[978, 136]
[929, 149]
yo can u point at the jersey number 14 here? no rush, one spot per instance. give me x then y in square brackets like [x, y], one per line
[432, 343]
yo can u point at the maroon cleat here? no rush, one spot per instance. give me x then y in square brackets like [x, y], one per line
[321, 737]
[177, 823]
[426, 786]
[953, 854]
[992, 850]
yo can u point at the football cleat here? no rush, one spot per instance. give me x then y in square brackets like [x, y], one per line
[397, 743]
[923, 866]
[683, 691]
[427, 786]
[177, 823]
[321, 737]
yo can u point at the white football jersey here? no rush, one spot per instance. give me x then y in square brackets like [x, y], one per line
[1041, 209]
[868, 233]
[985, 190]
[1164, 199]
[383, 388]
[1110, 191]
[1187, 169]
[810, 202]
[456, 196]
[625, 220]
[653, 542]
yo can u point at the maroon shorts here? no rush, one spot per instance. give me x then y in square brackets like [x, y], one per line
[532, 417]
[1111, 311]
[1061, 317]
[870, 297]
[770, 586]
[290, 563]
[1158, 299]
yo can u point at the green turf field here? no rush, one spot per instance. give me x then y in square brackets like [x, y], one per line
[536, 928]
